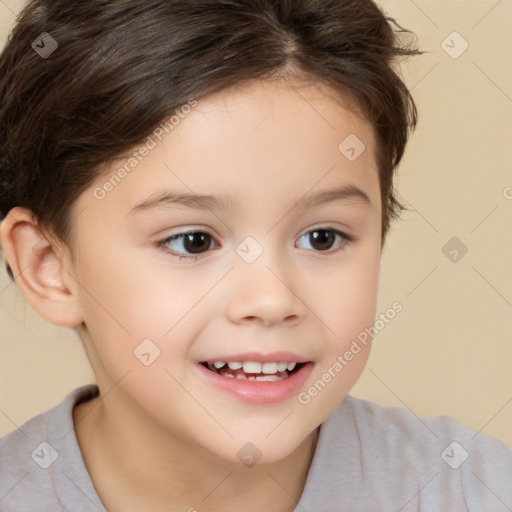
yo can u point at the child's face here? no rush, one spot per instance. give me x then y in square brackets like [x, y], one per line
[272, 282]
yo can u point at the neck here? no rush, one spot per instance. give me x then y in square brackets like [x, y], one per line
[135, 464]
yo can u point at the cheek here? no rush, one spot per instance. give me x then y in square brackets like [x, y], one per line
[127, 302]
[347, 309]
[350, 296]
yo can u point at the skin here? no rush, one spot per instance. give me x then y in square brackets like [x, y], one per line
[159, 435]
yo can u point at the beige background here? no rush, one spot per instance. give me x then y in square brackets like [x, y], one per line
[450, 350]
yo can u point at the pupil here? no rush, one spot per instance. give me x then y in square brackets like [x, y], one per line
[323, 239]
[194, 242]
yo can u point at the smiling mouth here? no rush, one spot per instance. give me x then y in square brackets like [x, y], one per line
[250, 370]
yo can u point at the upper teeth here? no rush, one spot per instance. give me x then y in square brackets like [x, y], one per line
[253, 367]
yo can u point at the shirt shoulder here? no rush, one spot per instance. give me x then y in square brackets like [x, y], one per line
[41, 466]
[372, 457]
[393, 425]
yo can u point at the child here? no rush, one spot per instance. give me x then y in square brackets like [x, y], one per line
[268, 131]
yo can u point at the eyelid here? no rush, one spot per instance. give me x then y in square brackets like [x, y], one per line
[327, 227]
[189, 232]
[186, 231]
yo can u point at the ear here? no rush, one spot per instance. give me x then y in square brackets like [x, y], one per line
[41, 268]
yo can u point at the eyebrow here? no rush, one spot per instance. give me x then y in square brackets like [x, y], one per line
[209, 202]
[337, 194]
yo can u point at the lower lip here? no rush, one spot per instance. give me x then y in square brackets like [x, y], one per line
[256, 392]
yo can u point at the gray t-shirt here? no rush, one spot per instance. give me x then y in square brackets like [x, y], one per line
[369, 458]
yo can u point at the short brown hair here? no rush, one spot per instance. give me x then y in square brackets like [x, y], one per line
[123, 66]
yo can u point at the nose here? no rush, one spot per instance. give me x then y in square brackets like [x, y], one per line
[263, 292]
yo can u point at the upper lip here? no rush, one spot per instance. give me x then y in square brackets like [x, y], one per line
[258, 357]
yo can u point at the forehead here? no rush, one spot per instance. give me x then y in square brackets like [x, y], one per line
[286, 110]
[271, 140]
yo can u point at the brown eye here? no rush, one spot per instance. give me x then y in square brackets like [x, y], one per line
[324, 239]
[187, 245]
[197, 242]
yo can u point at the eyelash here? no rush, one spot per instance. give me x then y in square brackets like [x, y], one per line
[162, 244]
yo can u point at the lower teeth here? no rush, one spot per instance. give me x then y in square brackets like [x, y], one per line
[263, 378]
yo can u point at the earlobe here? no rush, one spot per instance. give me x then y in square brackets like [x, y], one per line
[39, 269]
